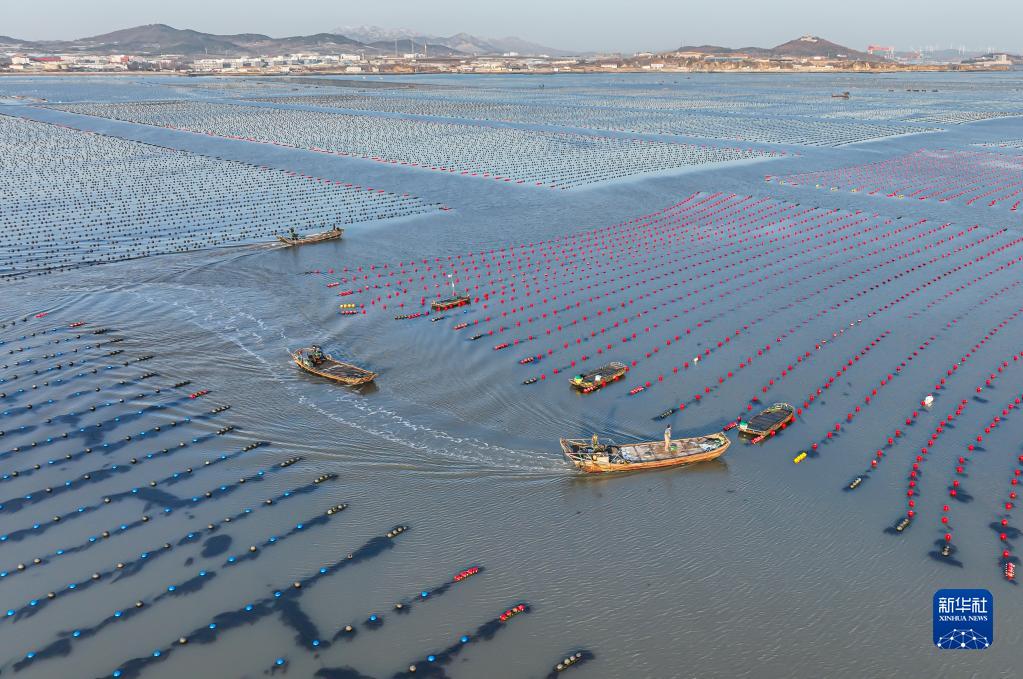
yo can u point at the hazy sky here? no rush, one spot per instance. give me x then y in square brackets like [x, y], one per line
[625, 25]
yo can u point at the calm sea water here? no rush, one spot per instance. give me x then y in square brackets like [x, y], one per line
[752, 566]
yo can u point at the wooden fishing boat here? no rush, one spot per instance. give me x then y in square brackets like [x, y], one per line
[601, 377]
[332, 369]
[767, 421]
[450, 302]
[333, 234]
[609, 457]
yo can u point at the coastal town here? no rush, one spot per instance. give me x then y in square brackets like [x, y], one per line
[339, 54]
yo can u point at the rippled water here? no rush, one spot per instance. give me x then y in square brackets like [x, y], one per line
[750, 566]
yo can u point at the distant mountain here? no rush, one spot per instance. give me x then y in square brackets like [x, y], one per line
[371, 34]
[810, 46]
[460, 42]
[9, 43]
[156, 39]
[417, 45]
[806, 47]
[152, 39]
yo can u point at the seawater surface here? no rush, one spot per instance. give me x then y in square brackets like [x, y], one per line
[748, 566]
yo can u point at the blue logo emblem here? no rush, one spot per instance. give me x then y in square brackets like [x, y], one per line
[964, 619]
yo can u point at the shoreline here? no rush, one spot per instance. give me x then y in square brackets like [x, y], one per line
[935, 68]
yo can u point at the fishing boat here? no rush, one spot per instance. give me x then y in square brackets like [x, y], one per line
[456, 299]
[314, 361]
[295, 239]
[840, 95]
[767, 421]
[452, 302]
[601, 377]
[610, 457]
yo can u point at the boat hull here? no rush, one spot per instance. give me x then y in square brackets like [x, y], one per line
[446, 304]
[315, 238]
[587, 384]
[337, 371]
[786, 415]
[714, 446]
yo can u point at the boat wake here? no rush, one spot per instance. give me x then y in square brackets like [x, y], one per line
[429, 446]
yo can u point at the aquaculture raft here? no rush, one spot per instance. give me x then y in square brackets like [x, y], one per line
[332, 369]
[601, 377]
[643, 455]
[767, 421]
[450, 303]
[333, 234]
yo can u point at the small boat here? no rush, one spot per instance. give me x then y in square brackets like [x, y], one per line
[314, 361]
[767, 421]
[840, 95]
[601, 377]
[610, 457]
[333, 234]
[452, 302]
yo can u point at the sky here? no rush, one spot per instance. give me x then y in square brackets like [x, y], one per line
[584, 25]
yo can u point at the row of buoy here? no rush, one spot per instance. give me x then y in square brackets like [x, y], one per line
[35, 605]
[188, 538]
[954, 489]
[910, 418]
[669, 272]
[222, 490]
[572, 660]
[950, 372]
[404, 606]
[945, 176]
[81, 217]
[710, 258]
[709, 117]
[839, 428]
[484, 632]
[102, 404]
[510, 155]
[223, 622]
[91, 431]
[97, 475]
[803, 323]
[599, 263]
[16, 394]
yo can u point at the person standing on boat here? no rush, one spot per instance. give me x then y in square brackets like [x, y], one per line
[667, 439]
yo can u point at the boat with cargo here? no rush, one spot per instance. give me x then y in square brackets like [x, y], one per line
[594, 456]
[597, 379]
[767, 421]
[293, 238]
[313, 360]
